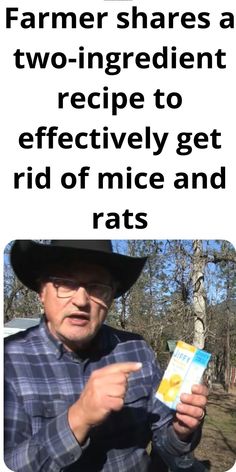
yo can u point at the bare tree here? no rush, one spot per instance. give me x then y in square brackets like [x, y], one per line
[199, 294]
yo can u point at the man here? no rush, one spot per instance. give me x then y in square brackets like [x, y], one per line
[80, 396]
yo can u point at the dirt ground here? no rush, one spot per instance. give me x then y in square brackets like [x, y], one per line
[217, 449]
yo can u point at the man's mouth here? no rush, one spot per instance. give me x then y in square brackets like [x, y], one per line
[80, 319]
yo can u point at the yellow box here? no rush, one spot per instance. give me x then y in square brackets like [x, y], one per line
[185, 369]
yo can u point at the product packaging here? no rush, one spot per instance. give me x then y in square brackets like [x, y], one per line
[185, 369]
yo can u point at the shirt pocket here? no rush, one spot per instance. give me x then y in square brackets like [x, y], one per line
[137, 394]
[132, 420]
[129, 426]
[42, 412]
[139, 386]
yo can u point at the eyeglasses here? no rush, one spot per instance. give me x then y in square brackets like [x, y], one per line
[67, 288]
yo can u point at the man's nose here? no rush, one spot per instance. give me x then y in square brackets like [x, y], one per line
[80, 297]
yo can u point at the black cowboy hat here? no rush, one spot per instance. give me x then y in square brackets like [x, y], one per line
[31, 260]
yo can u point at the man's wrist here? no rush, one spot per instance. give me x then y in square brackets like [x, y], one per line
[77, 424]
[181, 432]
[183, 436]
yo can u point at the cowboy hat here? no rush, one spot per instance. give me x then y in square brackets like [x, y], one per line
[31, 260]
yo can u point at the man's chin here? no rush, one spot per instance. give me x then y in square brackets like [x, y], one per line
[75, 342]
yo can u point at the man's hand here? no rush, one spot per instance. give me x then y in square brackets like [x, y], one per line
[104, 392]
[191, 411]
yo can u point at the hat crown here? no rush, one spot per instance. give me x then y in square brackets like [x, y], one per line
[102, 245]
[30, 260]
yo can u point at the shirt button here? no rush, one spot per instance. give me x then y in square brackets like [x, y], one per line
[71, 457]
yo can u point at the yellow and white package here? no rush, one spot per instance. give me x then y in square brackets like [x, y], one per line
[185, 369]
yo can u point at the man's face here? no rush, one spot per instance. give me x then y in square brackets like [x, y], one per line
[75, 313]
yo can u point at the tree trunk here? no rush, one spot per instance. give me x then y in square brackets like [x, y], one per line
[227, 340]
[199, 297]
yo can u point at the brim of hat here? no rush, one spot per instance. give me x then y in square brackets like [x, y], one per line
[29, 260]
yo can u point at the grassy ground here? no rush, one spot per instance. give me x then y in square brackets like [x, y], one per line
[217, 449]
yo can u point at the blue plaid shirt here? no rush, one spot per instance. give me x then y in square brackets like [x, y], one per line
[42, 380]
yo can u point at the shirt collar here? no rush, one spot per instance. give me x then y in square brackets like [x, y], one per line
[54, 344]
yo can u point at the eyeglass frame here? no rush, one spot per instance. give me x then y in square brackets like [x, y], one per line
[83, 285]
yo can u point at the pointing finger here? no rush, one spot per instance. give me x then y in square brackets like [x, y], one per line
[124, 367]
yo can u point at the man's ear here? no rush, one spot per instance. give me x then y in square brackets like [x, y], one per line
[41, 293]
